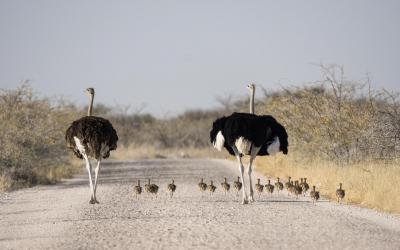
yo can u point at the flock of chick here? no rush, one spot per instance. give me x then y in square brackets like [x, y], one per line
[296, 188]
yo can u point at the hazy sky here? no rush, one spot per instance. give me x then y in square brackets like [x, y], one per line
[174, 55]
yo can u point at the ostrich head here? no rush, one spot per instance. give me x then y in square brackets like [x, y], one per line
[90, 91]
[251, 87]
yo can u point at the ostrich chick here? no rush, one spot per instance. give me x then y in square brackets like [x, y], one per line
[202, 186]
[137, 189]
[297, 189]
[171, 188]
[269, 187]
[340, 193]
[211, 188]
[278, 185]
[225, 185]
[304, 186]
[151, 188]
[259, 187]
[314, 195]
[237, 185]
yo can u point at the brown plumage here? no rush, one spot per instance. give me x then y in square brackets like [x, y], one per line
[211, 188]
[314, 195]
[237, 185]
[259, 187]
[202, 186]
[171, 188]
[151, 188]
[225, 185]
[92, 132]
[289, 185]
[137, 189]
[297, 189]
[304, 186]
[291, 188]
[278, 185]
[91, 137]
[340, 193]
[269, 187]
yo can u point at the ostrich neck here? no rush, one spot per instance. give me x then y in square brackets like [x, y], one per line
[89, 113]
[252, 101]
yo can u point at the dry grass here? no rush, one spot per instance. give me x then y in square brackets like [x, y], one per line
[46, 175]
[147, 152]
[369, 184]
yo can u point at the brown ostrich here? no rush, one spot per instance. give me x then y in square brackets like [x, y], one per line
[91, 137]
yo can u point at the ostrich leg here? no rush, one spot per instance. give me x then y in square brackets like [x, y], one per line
[97, 170]
[89, 169]
[241, 169]
[254, 152]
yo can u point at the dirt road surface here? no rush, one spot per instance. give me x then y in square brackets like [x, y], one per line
[60, 216]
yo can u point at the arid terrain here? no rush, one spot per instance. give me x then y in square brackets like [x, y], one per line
[60, 216]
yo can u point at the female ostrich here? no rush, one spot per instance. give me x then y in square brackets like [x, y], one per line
[249, 134]
[91, 137]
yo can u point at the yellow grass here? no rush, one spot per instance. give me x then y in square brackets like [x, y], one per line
[48, 175]
[148, 152]
[370, 184]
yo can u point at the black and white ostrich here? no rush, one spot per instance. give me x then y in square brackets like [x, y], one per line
[91, 137]
[249, 134]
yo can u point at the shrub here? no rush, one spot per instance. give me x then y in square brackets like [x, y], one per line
[31, 138]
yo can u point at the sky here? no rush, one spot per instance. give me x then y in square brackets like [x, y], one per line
[170, 56]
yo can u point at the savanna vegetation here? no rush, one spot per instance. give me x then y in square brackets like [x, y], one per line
[340, 130]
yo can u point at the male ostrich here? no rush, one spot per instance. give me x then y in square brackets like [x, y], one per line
[249, 134]
[91, 137]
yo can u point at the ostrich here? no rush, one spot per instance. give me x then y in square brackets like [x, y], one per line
[211, 187]
[91, 137]
[202, 186]
[151, 188]
[304, 185]
[259, 187]
[340, 193]
[314, 195]
[248, 134]
[297, 190]
[225, 185]
[269, 187]
[278, 185]
[288, 183]
[137, 189]
[171, 188]
[237, 185]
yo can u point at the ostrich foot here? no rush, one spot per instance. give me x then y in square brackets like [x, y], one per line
[94, 201]
[251, 199]
[245, 201]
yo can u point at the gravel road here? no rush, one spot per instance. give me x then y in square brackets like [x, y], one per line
[60, 216]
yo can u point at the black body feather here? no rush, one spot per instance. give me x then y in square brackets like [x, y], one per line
[92, 131]
[259, 130]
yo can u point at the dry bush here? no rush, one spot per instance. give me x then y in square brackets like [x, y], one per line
[339, 131]
[31, 139]
[189, 130]
[338, 119]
